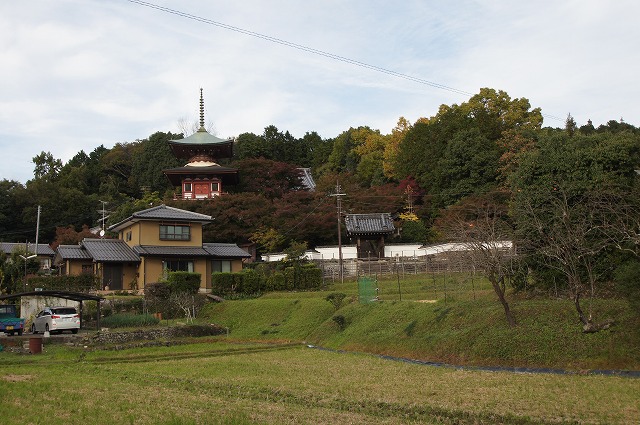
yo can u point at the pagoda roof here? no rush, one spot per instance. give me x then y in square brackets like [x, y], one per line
[228, 175]
[202, 142]
[201, 138]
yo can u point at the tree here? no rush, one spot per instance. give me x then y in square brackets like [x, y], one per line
[14, 269]
[564, 193]
[249, 145]
[268, 240]
[432, 149]
[126, 209]
[484, 227]
[11, 193]
[153, 157]
[237, 215]
[391, 148]
[468, 166]
[69, 236]
[46, 166]
[270, 178]
[570, 125]
[345, 155]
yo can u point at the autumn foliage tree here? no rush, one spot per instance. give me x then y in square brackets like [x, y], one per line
[483, 226]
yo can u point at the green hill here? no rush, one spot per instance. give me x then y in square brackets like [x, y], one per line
[434, 322]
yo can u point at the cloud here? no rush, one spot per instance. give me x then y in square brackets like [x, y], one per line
[78, 74]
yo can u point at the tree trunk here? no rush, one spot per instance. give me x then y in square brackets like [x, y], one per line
[576, 303]
[511, 320]
[587, 324]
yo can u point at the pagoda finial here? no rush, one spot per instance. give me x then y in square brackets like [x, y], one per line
[201, 111]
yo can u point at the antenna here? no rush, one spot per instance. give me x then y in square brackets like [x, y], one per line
[339, 196]
[103, 212]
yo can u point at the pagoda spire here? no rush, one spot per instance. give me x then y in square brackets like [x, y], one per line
[201, 112]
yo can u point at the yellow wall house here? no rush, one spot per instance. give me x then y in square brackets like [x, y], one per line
[151, 243]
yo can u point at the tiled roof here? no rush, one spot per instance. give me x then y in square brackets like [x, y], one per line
[110, 250]
[162, 212]
[367, 224]
[226, 250]
[201, 137]
[307, 179]
[172, 251]
[43, 249]
[73, 252]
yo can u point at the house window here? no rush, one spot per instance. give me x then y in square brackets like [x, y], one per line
[87, 268]
[221, 266]
[128, 236]
[187, 187]
[215, 187]
[175, 232]
[45, 263]
[178, 265]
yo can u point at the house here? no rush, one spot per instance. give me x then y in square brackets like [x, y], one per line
[151, 243]
[43, 252]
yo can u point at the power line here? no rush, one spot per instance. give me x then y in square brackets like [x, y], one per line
[300, 47]
[311, 50]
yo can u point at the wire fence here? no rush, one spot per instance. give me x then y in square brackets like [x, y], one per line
[453, 262]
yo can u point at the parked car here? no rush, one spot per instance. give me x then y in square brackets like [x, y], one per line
[9, 321]
[56, 319]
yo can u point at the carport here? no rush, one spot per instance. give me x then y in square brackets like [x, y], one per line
[74, 296]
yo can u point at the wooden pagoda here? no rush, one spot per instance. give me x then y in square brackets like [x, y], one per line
[202, 177]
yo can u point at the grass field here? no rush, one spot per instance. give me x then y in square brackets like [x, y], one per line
[220, 383]
[453, 320]
[265, 372]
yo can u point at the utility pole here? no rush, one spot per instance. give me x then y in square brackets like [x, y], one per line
[37, 230]
[339, 196]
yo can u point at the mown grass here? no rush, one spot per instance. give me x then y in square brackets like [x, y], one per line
[297, 385]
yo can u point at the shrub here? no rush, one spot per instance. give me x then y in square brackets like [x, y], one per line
[307, 276]
[184, 282]
[276, 282]
[626, 278]
[336, 299]
[340, 320]
[251, 282]
[123, 305]
[128, 320]
[224, 284]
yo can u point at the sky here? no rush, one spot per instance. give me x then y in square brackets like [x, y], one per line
[77, 74]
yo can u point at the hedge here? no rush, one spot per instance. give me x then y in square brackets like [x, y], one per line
[250, 282]
[73, 283]
[184, 282]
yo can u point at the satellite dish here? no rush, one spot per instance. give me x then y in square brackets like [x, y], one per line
[101, 233]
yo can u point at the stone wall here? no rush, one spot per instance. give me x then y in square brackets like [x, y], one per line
[111, 337]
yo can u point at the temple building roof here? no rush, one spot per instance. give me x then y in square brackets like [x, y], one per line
[369, 224]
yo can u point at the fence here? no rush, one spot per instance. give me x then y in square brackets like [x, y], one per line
[439, 263]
